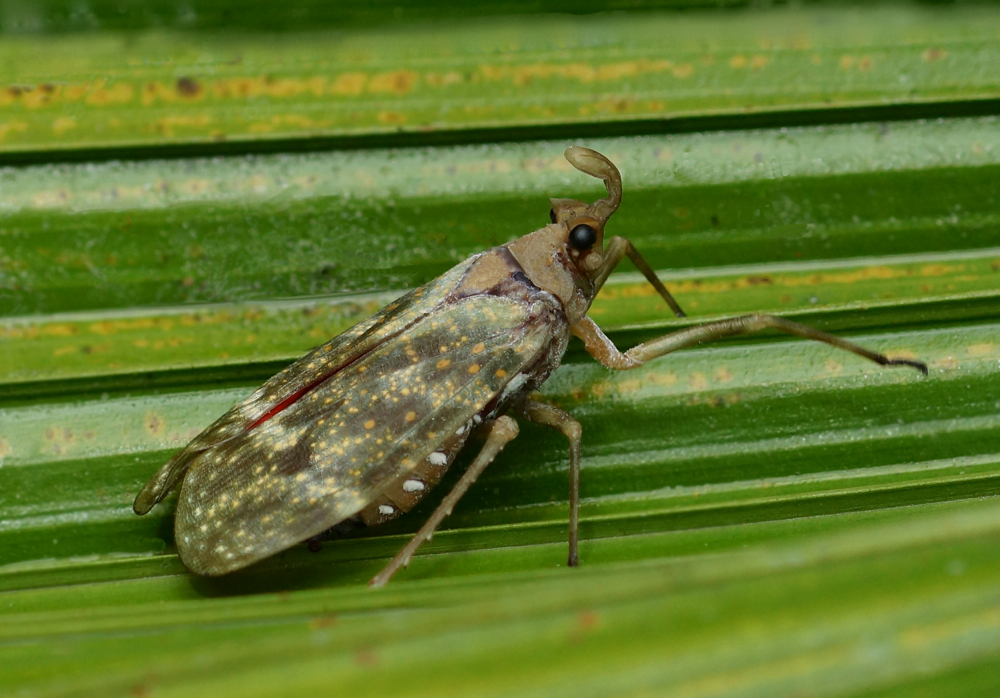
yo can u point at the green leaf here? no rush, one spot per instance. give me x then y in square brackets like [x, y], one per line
[761, 516]
[101, 90]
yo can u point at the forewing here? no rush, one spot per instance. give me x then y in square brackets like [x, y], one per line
[328, 455]
[323, 361]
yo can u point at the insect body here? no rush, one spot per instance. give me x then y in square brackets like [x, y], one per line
[361, 428]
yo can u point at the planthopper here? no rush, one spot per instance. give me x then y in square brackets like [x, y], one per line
[359, 430]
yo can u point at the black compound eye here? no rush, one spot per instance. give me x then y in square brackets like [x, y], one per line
[552, 215]
[582, 237]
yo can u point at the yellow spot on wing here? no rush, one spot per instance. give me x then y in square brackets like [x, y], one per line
[369, 424]
[410, 416]
[474, 368]
[443, 363]
[479, 348]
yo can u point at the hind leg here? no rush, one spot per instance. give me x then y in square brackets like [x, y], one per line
[501, 432]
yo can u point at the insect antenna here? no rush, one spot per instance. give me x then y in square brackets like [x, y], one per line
[596, 165]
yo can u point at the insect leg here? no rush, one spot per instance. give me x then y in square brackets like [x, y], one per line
[602, 348]
[502, 431]
[617, 248]
[540, 413]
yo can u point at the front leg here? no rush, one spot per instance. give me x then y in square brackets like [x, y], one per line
[618, 248]
[604, 350]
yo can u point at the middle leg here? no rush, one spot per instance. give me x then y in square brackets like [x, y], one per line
[540, 413]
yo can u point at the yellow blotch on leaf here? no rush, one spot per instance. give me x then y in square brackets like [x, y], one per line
[63, 124]
[391, 117]
[983, 349]
[698, 381]
[349, 84]
[118, 93]
[12, 127]
[398, 82]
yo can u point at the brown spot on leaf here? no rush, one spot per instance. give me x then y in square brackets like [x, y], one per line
[366, 657]
[154, 424]
[188, 87]
[588, 620]
[759, 281]
[586, 623]
[933, 54]
[324, 622]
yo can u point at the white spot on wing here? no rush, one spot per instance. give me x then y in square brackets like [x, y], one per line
[413, 486]
[515, 384]
[437, 458]
[385, 509]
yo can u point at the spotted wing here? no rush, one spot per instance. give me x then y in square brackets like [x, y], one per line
[328, 455]
[285, 386]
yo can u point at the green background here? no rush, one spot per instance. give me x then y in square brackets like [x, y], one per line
[194, 194]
